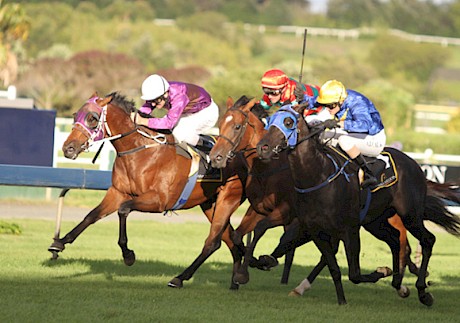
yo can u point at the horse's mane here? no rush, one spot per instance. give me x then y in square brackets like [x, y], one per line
[257, 109]
[129, 106]
[121, 101]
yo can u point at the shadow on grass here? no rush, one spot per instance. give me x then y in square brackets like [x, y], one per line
[215, 273]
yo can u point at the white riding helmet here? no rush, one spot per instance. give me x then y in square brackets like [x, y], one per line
[153, 87]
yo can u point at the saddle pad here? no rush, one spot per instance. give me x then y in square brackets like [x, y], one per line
[389, 176]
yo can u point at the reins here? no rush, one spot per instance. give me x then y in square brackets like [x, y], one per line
[337, 170]
[104, 129]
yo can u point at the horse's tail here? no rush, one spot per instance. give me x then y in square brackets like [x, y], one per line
[447, 191]
[437, 212]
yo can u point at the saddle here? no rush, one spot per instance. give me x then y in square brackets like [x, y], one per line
[382, 166]
[205, 172]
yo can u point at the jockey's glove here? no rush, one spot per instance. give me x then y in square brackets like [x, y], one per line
[299, 93]
[330, 123]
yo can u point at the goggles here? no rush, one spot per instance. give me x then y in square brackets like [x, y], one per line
[157, 100]
[269, 91]
[327, 105]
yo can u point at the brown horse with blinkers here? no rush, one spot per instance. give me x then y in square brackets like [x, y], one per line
[148, 176]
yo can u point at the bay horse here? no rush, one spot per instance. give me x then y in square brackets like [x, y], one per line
[328, 197]
[148, 176]
[269, 187]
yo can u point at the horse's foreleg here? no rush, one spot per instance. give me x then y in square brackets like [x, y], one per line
[293, 237]
[129, 256]
[275, 219]
[227, 202]
[212, 243]
[352, 245]
[109, 204]
[328, 250]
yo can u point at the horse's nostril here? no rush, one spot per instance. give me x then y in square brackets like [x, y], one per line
[218, 157]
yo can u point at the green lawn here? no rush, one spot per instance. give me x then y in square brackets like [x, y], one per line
[90, 283]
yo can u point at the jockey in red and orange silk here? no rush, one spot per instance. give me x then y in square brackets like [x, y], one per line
[280, 90]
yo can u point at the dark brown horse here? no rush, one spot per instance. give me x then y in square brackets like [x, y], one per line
[269, 187]
[332, 183]
[149, 176]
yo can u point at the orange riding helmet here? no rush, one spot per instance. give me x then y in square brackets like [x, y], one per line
[274, 79]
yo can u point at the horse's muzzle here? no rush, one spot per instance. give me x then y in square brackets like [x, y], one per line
[71, 150]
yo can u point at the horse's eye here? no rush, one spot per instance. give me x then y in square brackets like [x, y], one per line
[288, 123]
[238, 127]
[92, 120]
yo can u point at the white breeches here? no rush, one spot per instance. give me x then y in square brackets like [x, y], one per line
[368, 145]
[190, 126]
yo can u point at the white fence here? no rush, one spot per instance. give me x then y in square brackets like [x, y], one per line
[341, 34]
[107, 155]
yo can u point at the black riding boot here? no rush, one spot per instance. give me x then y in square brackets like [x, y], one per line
[204, 145]
[369, 177]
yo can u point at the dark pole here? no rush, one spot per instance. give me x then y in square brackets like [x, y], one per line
[303, 54]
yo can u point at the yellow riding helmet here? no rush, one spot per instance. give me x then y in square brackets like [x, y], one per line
[332, 91]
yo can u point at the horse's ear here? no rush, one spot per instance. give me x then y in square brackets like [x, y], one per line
[301, 107]
[250, 105]
[93, 95]
[105, 101]
[229, 102]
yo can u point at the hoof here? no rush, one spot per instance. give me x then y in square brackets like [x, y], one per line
[175, 283]
[266, 262]
[54, 255]
[253, 262]
[56, 246]
[385, 271]
[130, 258]
[294, 293]
[426, 299]
[234, 286]
[241, 278]
[403, 292]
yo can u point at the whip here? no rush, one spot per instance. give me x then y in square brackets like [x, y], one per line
[303, 54]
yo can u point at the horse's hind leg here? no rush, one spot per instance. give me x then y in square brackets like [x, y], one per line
[128, 255]
[387, 231]
[427, 240]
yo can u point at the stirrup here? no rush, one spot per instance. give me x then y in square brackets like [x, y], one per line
[369, 181]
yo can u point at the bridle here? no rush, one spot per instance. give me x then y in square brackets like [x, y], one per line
[290, 134]
[235, 143]
[85, 122]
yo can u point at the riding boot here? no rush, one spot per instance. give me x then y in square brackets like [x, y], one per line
[204, 145]
[369, 177]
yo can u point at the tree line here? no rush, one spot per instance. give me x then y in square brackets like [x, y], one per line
[114, 45]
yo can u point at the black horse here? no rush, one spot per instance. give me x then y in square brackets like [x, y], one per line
[270, 190]
[330, 200]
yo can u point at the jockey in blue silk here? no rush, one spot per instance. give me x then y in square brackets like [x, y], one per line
[360, 131]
